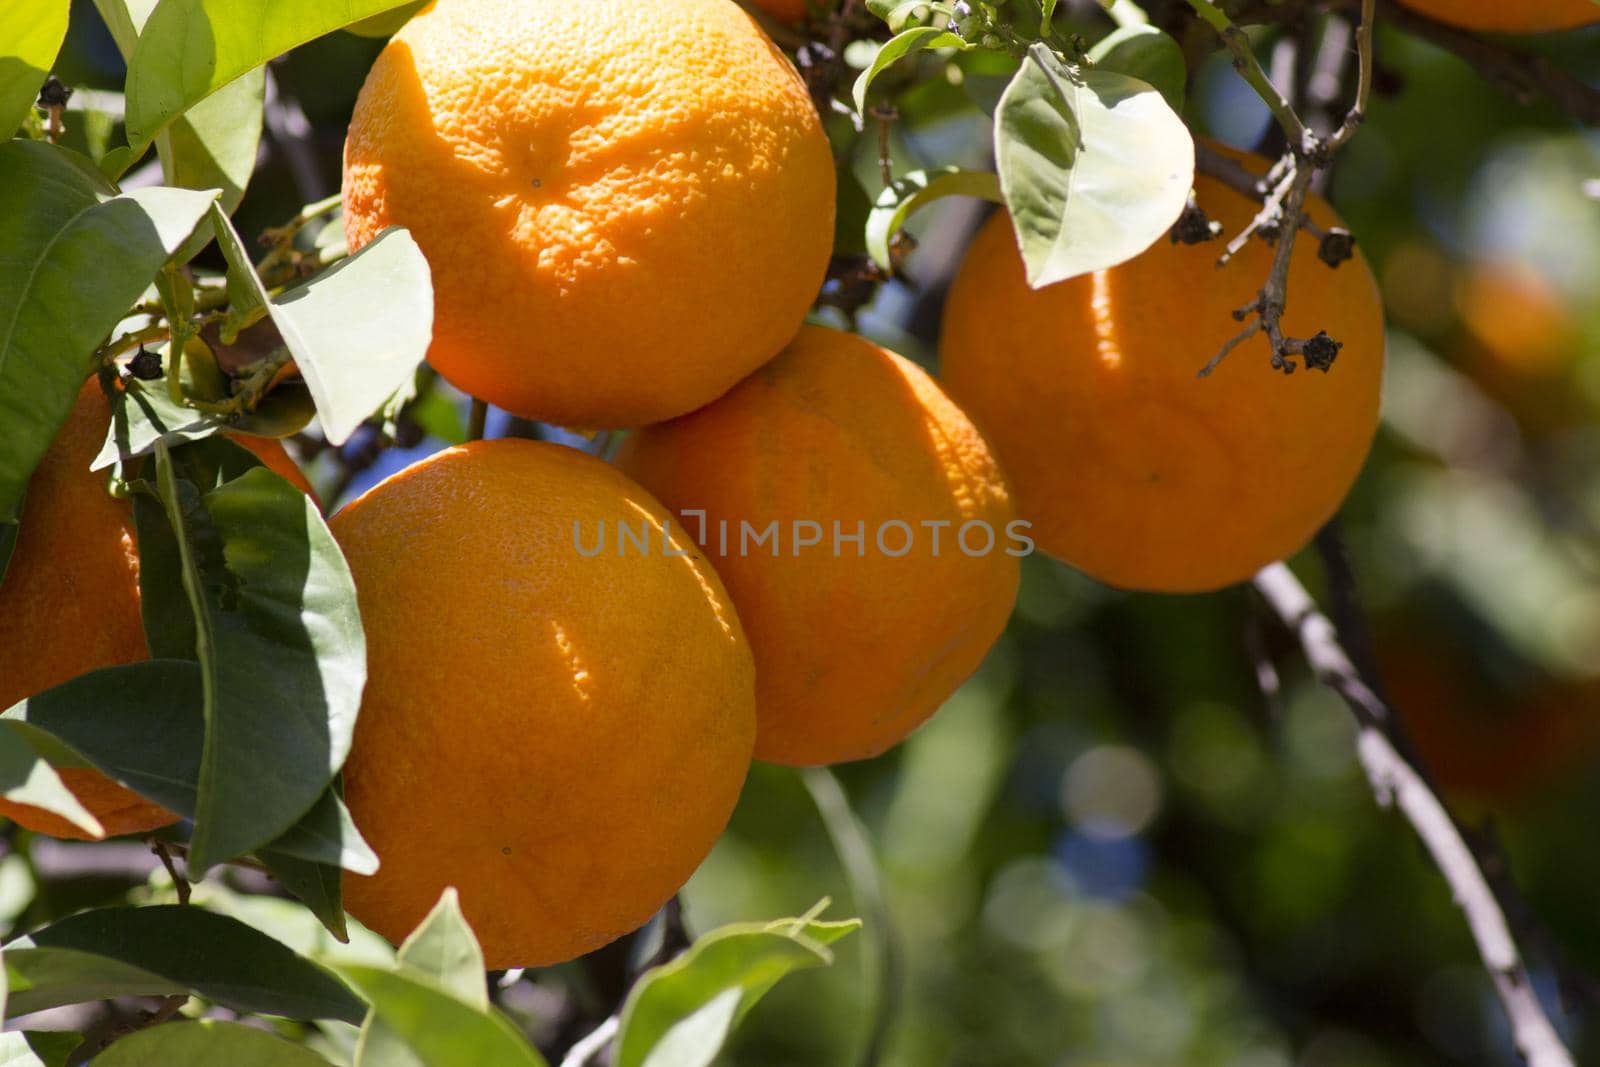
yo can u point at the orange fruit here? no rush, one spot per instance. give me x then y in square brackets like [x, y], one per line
[1130, 467]
[1510, 16]
[69, 601]
[559, 734]
[627, 207]
[856, 643]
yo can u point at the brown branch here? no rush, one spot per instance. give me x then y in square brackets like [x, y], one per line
[1395, 782]
[1521, 75]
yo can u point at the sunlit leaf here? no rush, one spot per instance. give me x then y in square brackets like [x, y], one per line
[1144, 52]
[1094, 166]
[907, 194]
[680, 1013]
[76, 258]
[357, 331]
[902, 44]
[444, 948]
[189, 49]
[207, 1041]
[31, 32]
[440, 1029]
[168, 950]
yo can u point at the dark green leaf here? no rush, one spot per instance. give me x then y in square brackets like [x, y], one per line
[916, 39]
[191, 48]
[139, 724]
[680, 1013]
[1094, 166]
[440, 1029]
[897, 202]
[207, 1042]
[26, 777]
[327, 834]
[280, 648]
[168, 950]
[1144, 52]
[76, 258]
[319, 886]
[31, 32]
[443, 948]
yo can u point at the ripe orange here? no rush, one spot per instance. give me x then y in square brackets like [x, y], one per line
[855, 644]
[559, 734]
[627, 207]
[1130, 467]
[1510, 16]
[69, 602]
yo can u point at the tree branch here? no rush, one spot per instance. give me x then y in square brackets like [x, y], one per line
[1396, 782]
[1521, 75]
[1249, 68]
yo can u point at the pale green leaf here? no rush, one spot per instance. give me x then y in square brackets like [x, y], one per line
[31, 32]
[1094, 166]
[897, 202]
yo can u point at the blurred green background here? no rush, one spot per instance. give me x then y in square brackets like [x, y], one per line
[1111, 848]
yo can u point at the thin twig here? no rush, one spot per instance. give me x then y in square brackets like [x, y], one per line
[1358, 110]
[1249, 68]
[477, 419]
[1395, 782]
[591, 1044]
[180, 883]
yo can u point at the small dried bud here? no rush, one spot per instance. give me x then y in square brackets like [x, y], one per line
[1336, 247]
[1320, 351]
[1194, 226]
[53, 93]
[145, 365]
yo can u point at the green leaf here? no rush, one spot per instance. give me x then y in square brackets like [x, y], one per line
[138, 724]
[1094, 166]
[1144, 52]
[444, 948]
[26, 777]
[167, 950]
[191, 48]
[145, 413]
[319, 886]
[907, 194]
[31, 32]
[141, 725]
[327, 834]
[214, 146]
[38, 1048]
[680, 1013]
[357, 331]
[279, 642]
[76, 258]
[916, 39]
[388, 23]
[441, 1029]
[207, 1042]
